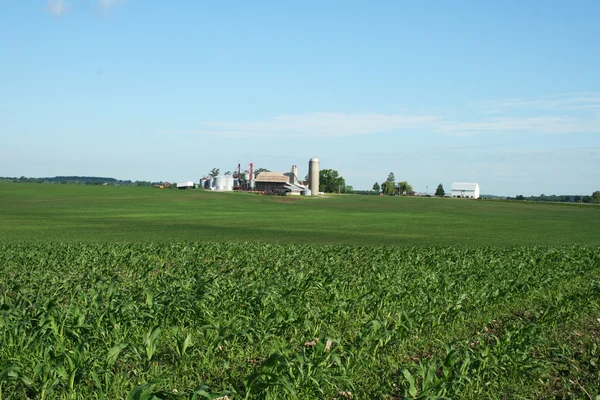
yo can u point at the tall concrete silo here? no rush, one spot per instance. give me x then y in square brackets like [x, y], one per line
[294, 177]
[313, 176]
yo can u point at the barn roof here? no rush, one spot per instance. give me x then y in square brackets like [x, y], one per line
[294, 187]
[464, 186]
[272, 177]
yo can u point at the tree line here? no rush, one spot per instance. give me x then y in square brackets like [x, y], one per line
[389, 187]
[78, 180]
[567, 198]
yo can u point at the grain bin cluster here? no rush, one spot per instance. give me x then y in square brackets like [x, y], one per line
[283, 183]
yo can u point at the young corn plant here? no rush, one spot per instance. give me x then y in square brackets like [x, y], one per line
[151, 342]
[73, 362]
[47, 378]
[9, 373]
[183, 341]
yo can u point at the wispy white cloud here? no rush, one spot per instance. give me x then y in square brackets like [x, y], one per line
[106, 4]
[557, 125]
[564, 114]
[339, 124]
[57, 7]
[511, 155]
[564, 102]
[321, 124]
[483, 155]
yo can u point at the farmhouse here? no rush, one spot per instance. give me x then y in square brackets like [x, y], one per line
[465, 190]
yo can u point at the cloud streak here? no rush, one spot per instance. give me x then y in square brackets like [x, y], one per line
[563, 102]
[60, 7]
[106, 4]
[57, 7]
[340, 124]
[547, 125]
[570, 114]
[320, 124]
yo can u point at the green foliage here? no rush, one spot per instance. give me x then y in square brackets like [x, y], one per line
[214, 172]
[404, 188]
[565, 198]
[150, 343]
[78, 180]
[596, 196]
[440, 190]
[376, 187]
[262, 321]
[391, 177]
[259, 170]
[388, 188]
[331, 182]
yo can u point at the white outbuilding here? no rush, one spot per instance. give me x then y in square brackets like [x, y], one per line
[465, 189]
[185, 185]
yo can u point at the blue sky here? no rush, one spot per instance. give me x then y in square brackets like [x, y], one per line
[503, 93]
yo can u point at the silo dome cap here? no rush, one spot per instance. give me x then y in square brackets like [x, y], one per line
[314, 159]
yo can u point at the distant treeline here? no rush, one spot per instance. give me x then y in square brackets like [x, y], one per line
[565, 198]
[79, 180]
[366, 192]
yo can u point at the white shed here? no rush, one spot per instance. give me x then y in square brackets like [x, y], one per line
[185, 185]
[466, 190]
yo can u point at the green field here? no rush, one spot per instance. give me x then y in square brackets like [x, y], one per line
[72, 213]
[147, 294]
[85, 321]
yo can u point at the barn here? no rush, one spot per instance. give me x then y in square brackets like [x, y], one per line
[465, 190]
[277, 182]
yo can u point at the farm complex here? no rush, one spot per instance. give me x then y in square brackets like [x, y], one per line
[267, 181]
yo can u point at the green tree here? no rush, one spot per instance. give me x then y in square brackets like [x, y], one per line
[440, 190]
[214, 172]
[376, 187]
[596, 196]
[391, 177]
[388, 188]
[330, 181]
[259, 170]
[404, 188]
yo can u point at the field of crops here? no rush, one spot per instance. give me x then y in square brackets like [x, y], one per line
[193, 321]
[99, 214]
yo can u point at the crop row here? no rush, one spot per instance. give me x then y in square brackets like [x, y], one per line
[187, 320]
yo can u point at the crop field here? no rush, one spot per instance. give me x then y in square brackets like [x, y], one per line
[272, 321]
[97, 214]
[140, 293]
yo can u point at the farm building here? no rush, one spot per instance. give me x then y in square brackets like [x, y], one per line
[465, 190]
[185, 185]
[277, 182]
